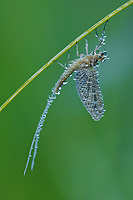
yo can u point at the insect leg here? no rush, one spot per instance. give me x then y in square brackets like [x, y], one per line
[77, 50]
[68, 56]
[78, 55]
[64, 66]
[97, 34]
[103, 34]
[100, 42]
[86, 46]
[102, 39]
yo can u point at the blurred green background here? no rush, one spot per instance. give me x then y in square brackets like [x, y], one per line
[78, 158]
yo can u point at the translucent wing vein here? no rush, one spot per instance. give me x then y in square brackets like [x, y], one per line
[87, 85]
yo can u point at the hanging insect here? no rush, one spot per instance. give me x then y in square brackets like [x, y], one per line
[87, 85]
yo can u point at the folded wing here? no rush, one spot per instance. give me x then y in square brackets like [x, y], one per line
[87, 85]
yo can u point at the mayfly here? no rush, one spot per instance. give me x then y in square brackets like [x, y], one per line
[87, 85]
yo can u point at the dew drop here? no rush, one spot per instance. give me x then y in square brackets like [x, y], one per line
[57, 93]
[64, 83]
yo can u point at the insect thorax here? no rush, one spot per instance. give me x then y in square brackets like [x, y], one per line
[89, 61]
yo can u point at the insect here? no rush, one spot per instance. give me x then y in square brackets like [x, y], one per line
[87, 85]
[86, 77]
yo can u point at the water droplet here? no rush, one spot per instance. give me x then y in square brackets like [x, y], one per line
[64, 83]
[57, 93]
[52, 90]
[54, 96]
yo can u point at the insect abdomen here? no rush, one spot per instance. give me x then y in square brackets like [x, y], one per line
[65, 75]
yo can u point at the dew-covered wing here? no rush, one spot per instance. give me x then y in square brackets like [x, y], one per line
[87, 85]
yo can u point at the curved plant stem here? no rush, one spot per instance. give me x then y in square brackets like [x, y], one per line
[64, 50]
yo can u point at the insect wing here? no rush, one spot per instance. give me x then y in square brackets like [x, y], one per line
[87, 85]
